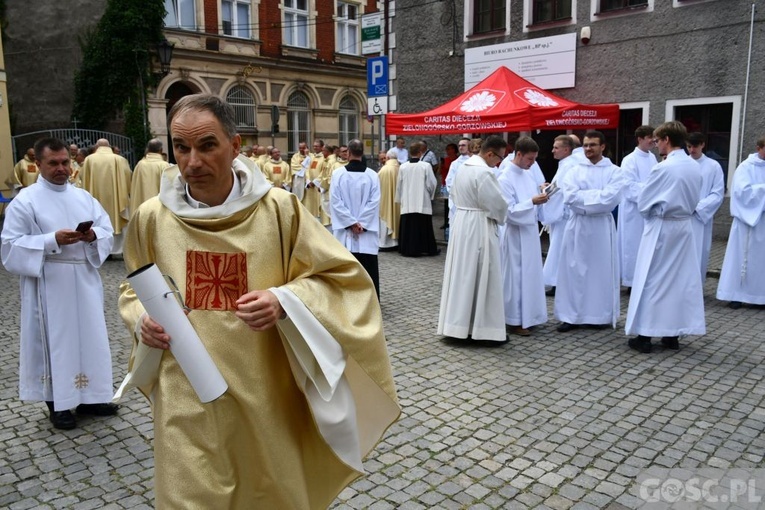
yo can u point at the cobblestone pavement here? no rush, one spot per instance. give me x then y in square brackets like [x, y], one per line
[549, 421]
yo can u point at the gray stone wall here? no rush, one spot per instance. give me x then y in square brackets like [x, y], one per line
[42, 53]
[699, 50]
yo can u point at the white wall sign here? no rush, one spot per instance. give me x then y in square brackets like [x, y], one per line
[547, 62]
[377, 105]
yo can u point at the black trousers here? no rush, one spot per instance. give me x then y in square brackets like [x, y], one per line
[370, 264]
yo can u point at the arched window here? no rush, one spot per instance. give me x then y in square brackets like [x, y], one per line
[349, 120]
[244, 106]
[298, 121]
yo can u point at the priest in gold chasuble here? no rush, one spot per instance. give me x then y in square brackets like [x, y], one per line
[288, 316]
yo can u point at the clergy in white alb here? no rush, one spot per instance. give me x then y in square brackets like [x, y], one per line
[415, 189]
[635, 166]
[712, 195]
[289, 317]
[742, 278]
[463, 148]
[667, 299]
[64, 356]
[390, 210]
[520, 250]
[355, 210]
[588, 274]
[471, 295]
[554, 213]
[147, 175]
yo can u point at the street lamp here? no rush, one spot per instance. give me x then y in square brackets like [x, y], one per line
[165, 54]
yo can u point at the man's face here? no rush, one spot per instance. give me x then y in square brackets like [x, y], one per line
[326, 152]
[400, 143]
[303, 148]
[31, 154]
[645, 143]
[593, 149]
[662, 144]
[761, 152]
[276, 154]
[54, 166]
[381, 157]
[560, 150]
[344, 152]
[493, 158]
[463, 147]
[695, 151]
[73, 151]
[80, 158]
[203, 151]
[525, 160]
[316, 147]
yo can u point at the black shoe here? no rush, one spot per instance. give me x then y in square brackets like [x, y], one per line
[640, 343]
[670, 342]
[63, 420]
[98, 409]
[550, 292]
[734, 305]
[565, 326]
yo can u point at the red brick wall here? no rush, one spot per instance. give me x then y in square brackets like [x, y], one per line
[211, 16]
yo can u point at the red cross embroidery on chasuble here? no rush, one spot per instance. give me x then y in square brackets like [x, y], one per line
[214, 281]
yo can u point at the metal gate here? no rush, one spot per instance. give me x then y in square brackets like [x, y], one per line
[83, 138]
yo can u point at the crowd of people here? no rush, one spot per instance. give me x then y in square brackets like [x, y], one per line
[495, 278]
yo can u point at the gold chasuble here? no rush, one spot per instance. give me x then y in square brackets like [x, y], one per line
[390, 210]
[25, 172]
[146, 178]
[106, 176]
[312, 196]
[306, 400]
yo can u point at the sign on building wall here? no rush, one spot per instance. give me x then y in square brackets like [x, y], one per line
[371, 33]
[547, 62]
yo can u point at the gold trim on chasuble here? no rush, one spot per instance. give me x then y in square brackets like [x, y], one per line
[214, 281]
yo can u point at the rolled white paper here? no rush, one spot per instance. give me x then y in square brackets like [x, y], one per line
[161, 304]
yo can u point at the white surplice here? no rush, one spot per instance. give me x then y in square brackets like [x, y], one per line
[454, 169]
[743, 272]
[416, 187]
[471, 296]
[355, 198]
[520, 250]
[635, 166]
[588, 273]
[64, 354]
[667, 298]
[553, 216]
[712, 194]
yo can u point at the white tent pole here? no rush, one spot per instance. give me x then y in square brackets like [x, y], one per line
[746, 87]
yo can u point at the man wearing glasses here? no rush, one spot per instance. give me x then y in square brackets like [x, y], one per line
[588, 278]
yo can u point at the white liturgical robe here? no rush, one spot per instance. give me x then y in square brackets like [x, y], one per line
[554, 214]
[712, 194]
[454, 169]
[520, 250]
[355, 198]
[64, 354]
[743, 272]
[416, 187]
[471, 296]
[588, 274]
[635, 166]
[667, 298]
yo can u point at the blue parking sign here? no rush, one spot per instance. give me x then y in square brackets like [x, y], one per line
[377, 76]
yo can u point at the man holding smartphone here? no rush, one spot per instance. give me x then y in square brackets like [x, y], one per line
[55, 237]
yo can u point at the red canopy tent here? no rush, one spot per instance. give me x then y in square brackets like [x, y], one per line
[503, 102]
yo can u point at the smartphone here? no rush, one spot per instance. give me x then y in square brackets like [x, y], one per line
[84, 227]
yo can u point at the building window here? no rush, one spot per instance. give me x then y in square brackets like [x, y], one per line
[347, 28]
[180, 14]
[298, 120]
[488, 16]
[349, 120]
[551, 10]
[235, 17]
[296, 23]
[244, 106]
[616, 5]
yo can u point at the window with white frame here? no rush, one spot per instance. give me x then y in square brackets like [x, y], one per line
[296, 23]
[349, 120]
[243, 103]
[544, 11]
[488, 16]
[180, 14]
[347, 28]
[298, 120]
[235, 17]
